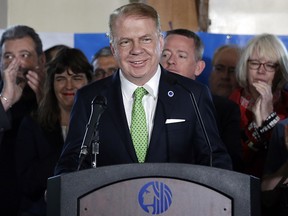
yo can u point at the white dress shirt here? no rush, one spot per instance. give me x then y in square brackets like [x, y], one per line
[149, 100]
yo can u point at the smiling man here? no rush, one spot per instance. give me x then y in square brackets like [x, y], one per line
[169, 130]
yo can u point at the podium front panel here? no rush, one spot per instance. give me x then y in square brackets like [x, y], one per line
[155, 196]
[115, 190]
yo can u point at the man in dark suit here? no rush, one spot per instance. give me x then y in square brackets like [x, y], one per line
[174, 133]
[276, 171]
[22, 64]
[182, 54]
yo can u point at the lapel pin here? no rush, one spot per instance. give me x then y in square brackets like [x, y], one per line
[170, 93]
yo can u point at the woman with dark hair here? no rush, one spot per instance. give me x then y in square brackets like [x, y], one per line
[41, 135]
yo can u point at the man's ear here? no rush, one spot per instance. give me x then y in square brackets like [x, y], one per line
[112, 49]
[200, 65]
[42, 59]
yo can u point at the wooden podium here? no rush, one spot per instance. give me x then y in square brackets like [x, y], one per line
[153, 189]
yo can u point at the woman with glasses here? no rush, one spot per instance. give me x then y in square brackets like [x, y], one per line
[262, 74]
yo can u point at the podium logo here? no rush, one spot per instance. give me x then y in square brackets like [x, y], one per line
[155, 197]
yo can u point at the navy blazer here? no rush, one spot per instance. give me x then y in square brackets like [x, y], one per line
[277, 153]
[228, 120]
[181, 142]
[37, 152]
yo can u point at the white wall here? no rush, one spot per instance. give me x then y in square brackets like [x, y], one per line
[85, 16]
[63, 15]
[248, 16]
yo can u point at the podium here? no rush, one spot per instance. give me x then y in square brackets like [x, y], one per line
[153, 189]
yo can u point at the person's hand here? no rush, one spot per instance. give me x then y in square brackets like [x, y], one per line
[264, 104]
[256, 109]
[35, 79]
[11, 91]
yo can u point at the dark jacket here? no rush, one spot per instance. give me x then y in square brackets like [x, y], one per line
[181, 142]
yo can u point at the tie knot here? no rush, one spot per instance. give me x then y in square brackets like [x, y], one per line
[139, 93]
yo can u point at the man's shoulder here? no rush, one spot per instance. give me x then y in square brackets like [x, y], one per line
[96, 86]
[181, 80]
[219, 100]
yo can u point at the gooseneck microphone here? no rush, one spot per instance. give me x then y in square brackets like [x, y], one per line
[200, 120]
[91, 137]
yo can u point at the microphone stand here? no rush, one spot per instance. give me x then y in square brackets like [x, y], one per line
[91, 137]
[95, 147]
[200, 120]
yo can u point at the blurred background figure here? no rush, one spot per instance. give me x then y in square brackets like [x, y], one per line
[222, 80]
[41, 135]
[104, 64]
[182, 54]
[262, 73]
[276, 171]
[52, 51]
[22, 69]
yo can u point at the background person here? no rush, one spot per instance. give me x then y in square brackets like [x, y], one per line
[21, 56]
[41, 136]
[104, 63]
[262, 74]
[182, 54]
[51, 52]
[222, 79]
[276, 168]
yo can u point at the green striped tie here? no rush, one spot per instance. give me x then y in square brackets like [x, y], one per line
[139, 132]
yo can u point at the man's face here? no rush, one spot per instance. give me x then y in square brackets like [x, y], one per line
[178, 55]
[24, 51]
[222, 79]
[104, 66]
[137, 48]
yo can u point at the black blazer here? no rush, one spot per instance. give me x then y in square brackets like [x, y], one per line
[9, 196]
[181, 142]
[228, 120]
[5, 122]
[37, 152]
[277, 153]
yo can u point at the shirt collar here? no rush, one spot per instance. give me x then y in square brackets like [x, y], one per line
[151, 86]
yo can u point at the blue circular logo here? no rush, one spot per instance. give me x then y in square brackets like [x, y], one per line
[155, 197]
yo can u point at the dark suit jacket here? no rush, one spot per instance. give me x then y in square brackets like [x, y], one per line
[177, 142]
[228, 120]
[4, 119]
[9, 195]
[5, 122]
[37, 152]
[277, 153]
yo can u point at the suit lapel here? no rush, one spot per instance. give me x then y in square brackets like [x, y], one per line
[117, 113]
[165, 105]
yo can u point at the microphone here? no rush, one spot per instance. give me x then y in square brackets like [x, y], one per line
[200, 120]
[91, 137]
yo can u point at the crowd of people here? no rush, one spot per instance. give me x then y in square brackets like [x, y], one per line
[46, 103]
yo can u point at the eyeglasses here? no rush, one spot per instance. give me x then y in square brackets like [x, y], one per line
[268, 66]
[223, 68]
[99, 72]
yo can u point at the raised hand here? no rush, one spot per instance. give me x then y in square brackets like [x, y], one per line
[35, 79]
[263, 106]
[12, 90]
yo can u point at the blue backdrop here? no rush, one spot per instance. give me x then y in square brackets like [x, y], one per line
[91, 43]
